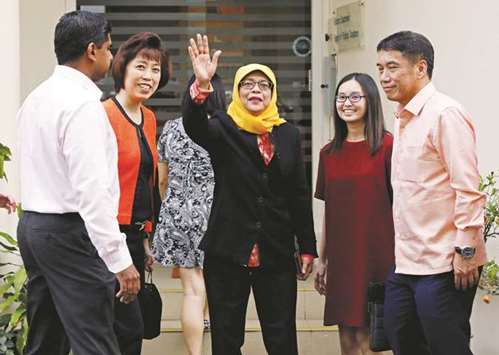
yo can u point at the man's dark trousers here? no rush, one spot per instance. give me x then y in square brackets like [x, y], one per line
[426, 315]
[70, 290]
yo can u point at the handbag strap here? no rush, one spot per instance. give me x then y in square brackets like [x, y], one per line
[149, 277]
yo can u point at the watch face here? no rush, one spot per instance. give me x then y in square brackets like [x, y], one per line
[468, 252]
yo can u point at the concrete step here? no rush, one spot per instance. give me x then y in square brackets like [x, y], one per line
[313, 339]
[310, 305]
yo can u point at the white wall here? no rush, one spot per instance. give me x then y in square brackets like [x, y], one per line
[9, 92]
[37, 22]
[465, 36]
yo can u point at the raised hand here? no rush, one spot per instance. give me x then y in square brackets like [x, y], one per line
[203, 65]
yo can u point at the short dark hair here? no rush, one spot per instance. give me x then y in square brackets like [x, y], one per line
[147, 44]
[375, 123]
[75, 31]
[412, 45]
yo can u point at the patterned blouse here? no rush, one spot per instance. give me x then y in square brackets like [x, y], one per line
[184, 214]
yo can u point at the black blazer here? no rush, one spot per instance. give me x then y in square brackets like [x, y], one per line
[253, 203]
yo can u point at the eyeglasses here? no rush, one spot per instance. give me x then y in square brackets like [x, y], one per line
[354, 97]
[264, 85]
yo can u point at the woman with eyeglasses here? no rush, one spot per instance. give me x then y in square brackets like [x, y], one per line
[353, 180]
[261, 202]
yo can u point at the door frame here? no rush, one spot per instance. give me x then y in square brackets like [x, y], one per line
[323, 73]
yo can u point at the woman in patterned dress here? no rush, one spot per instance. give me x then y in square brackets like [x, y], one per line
[186, 187]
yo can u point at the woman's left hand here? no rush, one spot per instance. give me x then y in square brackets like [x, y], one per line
[149, 256]
[307, 265]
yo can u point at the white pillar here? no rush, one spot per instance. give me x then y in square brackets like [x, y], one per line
[322, 74]
[10, 97]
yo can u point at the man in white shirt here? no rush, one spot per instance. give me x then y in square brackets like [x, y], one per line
[68, 234]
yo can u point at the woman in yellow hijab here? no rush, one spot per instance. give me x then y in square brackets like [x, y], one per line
[261, 204]
[248, 112]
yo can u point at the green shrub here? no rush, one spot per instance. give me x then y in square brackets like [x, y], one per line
[13, 322]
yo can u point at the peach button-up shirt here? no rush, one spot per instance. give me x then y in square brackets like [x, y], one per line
[436, 202]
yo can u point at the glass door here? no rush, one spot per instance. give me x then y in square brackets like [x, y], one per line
[272, 32]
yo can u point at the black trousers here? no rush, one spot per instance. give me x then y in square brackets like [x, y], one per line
[228, 288]
[70, 290]
[128, 324]
[426, 315]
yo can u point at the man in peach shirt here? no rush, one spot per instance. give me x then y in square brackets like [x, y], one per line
[437, 208]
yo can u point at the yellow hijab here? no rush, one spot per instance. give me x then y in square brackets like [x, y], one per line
[266, 120]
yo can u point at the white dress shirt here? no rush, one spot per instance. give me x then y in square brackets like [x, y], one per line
[68, 155]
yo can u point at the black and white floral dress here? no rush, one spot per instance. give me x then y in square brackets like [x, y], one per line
[184, 214]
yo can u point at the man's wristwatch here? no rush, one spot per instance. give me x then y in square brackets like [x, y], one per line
[465, 252]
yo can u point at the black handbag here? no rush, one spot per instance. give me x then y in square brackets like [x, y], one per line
[375, 305]
[151, 306]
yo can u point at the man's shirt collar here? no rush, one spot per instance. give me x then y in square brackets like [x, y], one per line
[414, 107]
[78, 77]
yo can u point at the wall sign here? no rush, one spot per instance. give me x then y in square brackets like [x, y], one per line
[347, 27]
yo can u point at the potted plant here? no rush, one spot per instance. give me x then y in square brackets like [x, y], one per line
[13, 322]
[490, 273]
